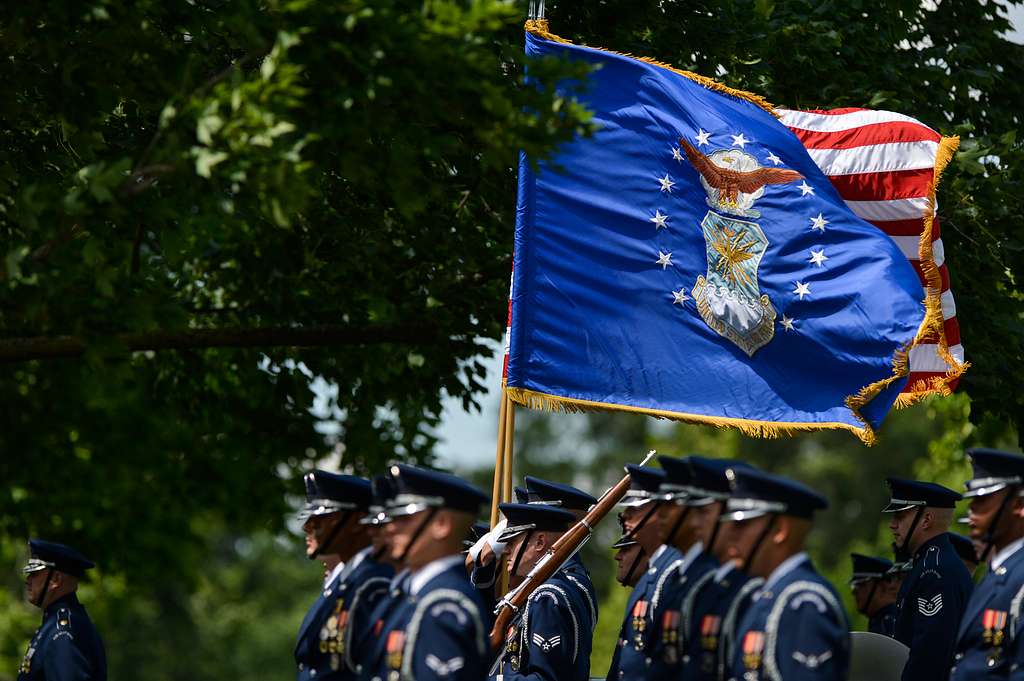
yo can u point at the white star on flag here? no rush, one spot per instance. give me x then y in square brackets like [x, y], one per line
[819, 223]
[666, 183]
[739, 140]
[805, 189]
[802, 290]
[680, 297]
[818, 257]
[787, 323]
[664, 259]
[702, 137]
[659, 219]
[773, 158]
[676, 155]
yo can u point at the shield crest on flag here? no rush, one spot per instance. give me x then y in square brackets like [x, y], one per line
[728, 296]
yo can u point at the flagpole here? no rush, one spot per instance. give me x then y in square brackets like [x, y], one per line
[499, 458]
[510, 430]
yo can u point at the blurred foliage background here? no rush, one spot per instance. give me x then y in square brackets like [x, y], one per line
[241, 238]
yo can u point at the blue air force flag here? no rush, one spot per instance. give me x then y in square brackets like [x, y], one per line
[691, 261]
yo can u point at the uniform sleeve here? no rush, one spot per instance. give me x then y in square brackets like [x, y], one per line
[64, 660]
[811, 641]
[552, 642]
[1015, 651]
[935, 609]
[447, 645]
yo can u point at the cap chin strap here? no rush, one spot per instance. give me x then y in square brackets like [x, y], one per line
[520, 552]
[714, 530]
[902, 552]
[990, 533]
[632, 567]
[757, 545]
[670, 539]
[416, 535]
[647, 516]
[323, 546]
[40, 602]
[871, 596]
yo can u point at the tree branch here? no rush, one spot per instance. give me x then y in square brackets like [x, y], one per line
[58, 347]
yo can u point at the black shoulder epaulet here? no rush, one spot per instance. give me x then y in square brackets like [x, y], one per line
[63, 624]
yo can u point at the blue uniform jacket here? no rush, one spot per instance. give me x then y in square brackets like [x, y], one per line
[435, 629]
[795, 629]
[884, 621]
[932, 601]
[325, 643]
[984, 633]
[552, 640]
[66, 647]
[718, 607]
[650, 644]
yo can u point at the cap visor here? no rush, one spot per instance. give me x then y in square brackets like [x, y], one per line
[736, 516]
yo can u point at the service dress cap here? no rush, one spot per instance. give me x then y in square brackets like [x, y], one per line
[678, 485]
[866, 568]
[328, 493]
[644, 485]
[417, 489]
[993, 470]
[905, 494]
[525, 517]
[382, 489]
[710, 479]
[557, 494]
[756, 493]
[46, 555]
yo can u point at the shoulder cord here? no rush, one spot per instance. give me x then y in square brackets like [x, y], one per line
[413, 630]
[729, 623]
[771, 667]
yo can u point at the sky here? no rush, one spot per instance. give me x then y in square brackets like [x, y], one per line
[468, 439]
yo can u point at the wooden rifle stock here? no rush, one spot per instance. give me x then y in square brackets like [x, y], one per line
[561, 550]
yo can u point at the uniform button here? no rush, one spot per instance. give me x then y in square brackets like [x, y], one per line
[622, 674]
[647, 661]
[312, 672]
[959, 656]
[301, 666]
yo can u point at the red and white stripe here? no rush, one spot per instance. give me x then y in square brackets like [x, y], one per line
[883, 165]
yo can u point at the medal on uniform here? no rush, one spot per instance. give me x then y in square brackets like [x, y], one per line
[639, 623]
[393, 647]
[993, 623]
[670, 636]
[753, 646]
[710, 625]
[512, 648]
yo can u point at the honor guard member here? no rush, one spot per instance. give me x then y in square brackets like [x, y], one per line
[996, 518]
[631, 561]
[964, 548]
[722, 600]
[688, 533]
[437, 627]
[485, 553]
[66, 646]
[336, 505]
[551, 638]
[934, 593]
[795, 628]
[646, 517]
[875, 592]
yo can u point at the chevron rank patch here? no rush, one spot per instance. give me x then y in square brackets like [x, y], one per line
[812, 661]
[929, 607]
[546, 645]
[444, 667]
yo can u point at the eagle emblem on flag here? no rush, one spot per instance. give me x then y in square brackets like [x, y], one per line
[729, 297]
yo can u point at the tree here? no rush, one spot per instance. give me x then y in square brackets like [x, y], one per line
[208, 205]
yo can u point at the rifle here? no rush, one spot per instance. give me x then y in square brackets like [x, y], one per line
[564, 548]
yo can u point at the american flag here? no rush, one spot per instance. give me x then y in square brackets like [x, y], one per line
[885, 165]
